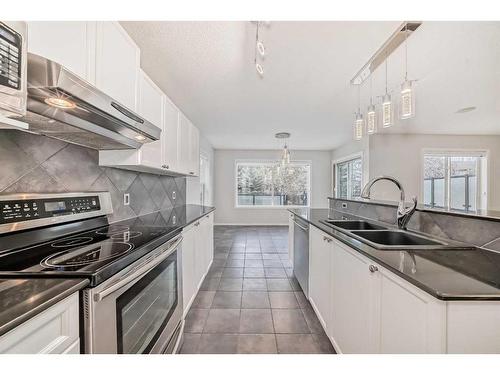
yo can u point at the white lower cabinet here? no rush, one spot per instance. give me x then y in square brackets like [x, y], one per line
[375, 311]
[365, 308]
[409, 320]
[197, 256]
[53, 331]
[353, 327]
[320, 275]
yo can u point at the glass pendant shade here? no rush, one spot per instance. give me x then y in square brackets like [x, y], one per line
[387, 111]
[407, 104]
[285, 157]
[259, 69]
[371, 119]
[261, 48]
[358, 127]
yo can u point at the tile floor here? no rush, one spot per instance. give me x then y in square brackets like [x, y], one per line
[250, 302]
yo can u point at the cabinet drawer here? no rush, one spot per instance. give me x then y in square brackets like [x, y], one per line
[53, 331]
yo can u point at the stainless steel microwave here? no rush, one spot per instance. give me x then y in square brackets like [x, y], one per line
[13, 81]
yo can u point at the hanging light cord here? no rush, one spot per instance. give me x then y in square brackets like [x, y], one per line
[359, 99]
[371, 92]
[406, 52]
[256, 41]
[386, 73]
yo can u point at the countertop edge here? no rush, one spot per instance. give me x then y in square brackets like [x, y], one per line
[20, 319]
[347, 240]
[212, 209]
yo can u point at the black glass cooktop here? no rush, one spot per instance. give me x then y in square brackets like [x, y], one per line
[100, 252]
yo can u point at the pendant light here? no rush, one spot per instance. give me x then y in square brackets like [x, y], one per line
[387, 105]
[285, 153]
[407, 103]
[260, 49]
[371, 114]
[358, 120]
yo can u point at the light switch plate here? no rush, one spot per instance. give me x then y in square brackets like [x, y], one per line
[173, 195]
[126, 199]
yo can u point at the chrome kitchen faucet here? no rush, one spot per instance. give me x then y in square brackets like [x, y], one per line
[403, 214]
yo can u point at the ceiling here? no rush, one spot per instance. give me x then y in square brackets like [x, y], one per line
[207, 69]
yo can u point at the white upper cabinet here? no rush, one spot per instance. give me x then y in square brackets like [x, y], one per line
[104, 55]
[150, 100]
[117, 63]
[194, 150]
[169, 137]
[183, 144]
[151, 107]
[69, 43]
[188, 144]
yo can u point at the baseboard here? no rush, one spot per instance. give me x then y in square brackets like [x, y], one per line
[253, 224]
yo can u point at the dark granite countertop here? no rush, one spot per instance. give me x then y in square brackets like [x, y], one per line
[445, 274]
[195, 212]
[22, 299]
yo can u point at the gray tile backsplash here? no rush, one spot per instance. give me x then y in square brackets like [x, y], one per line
[473, 230]
[35, 164]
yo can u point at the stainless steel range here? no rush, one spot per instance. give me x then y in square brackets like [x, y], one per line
[134, 302]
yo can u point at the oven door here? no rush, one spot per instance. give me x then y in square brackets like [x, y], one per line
[139, 309]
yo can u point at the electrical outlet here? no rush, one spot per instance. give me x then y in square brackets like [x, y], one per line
[173, 195]
[126, 199]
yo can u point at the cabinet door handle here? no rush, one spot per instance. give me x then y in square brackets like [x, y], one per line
[196, 224]
[327, 239]
[373, 268]
[191, 172]
[165, 166]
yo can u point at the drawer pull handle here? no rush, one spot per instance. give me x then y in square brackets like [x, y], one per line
[373, 268]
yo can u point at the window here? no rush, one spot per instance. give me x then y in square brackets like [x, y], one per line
[453, 180]
[348, 178]
[266, 184]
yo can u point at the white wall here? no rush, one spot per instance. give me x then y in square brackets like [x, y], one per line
[225, 197]
[400, 155]
[193, 183]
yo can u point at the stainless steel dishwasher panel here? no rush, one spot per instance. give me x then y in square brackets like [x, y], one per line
[301, 253]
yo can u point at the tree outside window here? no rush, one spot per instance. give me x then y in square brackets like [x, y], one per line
[269, 184]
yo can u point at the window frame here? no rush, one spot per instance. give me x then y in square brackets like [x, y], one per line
[268, 161]
[481, 177]
[335, 175]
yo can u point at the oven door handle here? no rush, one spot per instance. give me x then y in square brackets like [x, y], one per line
[141, 271]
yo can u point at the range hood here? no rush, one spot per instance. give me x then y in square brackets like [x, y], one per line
[62, 105]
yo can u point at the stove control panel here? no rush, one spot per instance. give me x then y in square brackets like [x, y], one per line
[19, 210]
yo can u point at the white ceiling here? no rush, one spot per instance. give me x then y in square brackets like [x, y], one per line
[207, 69]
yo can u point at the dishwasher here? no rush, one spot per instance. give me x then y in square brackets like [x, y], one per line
[301, 253]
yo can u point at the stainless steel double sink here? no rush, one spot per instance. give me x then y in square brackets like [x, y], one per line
[383, 238]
